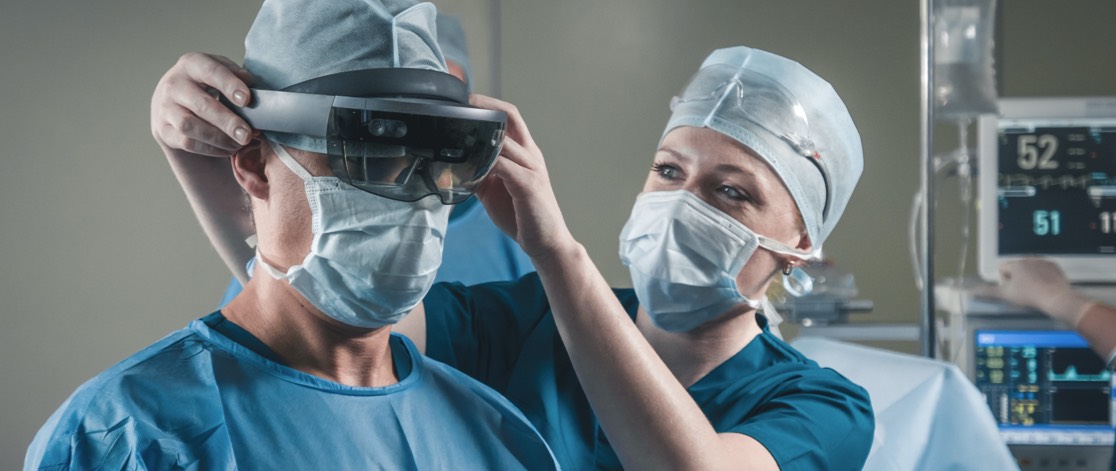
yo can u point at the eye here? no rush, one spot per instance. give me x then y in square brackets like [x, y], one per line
[733, 193]
[666, 171]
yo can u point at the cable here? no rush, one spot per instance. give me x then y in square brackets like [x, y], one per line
[965, 174]
[940, 164]
[912, 238]
[961, 159]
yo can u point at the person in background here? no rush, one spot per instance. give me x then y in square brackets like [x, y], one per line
[301, 370]
[1042, 285]
[475, 250]
[755, 167]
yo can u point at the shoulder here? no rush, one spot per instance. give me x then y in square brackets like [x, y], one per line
[768, 368]
[790, 372]
[809, 417]
[112, 407]
[157, 362]
[457, 399]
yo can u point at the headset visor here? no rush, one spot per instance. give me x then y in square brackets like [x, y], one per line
[398, 148]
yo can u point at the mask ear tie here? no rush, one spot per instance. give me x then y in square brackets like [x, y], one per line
[796, 281]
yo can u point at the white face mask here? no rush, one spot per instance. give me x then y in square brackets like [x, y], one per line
[372, 259]
[684, 256]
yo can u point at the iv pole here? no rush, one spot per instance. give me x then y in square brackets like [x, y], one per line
[926, 215]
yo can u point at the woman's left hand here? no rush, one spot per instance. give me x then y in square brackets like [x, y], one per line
[517, 192]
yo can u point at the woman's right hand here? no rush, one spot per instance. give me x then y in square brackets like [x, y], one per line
[517, 194]
[186, 114]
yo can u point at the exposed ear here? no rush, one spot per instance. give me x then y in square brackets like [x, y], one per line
[249, 169]
[804, 243]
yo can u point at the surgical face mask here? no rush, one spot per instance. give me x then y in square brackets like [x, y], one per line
[684, 256]
[372, 258]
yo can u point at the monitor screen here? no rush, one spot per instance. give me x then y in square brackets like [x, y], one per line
[1045, 387]
[1048, 185]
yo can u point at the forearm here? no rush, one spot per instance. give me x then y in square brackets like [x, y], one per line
[649, 418]
[1098, 326]
[219, 204]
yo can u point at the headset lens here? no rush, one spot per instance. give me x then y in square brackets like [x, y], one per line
[408, 156]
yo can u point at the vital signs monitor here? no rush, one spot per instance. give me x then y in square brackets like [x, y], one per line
[1048, 185]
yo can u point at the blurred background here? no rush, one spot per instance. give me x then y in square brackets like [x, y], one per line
[100, 254]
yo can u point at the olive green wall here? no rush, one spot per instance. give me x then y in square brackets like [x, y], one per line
[100, 255]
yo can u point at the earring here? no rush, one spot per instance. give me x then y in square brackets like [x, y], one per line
[787, 268]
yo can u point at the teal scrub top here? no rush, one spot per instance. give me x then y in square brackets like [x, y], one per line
[212, 396]
[504, 335]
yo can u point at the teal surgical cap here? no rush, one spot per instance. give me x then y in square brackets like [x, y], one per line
[786, 115]
[451, 38]
[293, 41]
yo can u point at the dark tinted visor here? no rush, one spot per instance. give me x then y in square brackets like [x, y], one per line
[399, 148]
[409, 149]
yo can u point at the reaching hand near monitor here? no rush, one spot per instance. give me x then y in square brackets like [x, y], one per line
[1042, 285]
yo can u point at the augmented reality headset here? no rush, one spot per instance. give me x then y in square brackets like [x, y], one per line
[402, 134]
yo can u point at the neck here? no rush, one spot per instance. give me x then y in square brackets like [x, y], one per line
[309, 341]
[692, 355]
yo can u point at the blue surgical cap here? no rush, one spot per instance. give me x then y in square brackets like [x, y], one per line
[293, 41]
[451, 38]
[786, 115]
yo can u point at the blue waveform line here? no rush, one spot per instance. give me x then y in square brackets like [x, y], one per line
[1072, 375]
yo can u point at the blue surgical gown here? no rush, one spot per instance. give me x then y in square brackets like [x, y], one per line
[503, 334]
[198, 399]
[475, 251]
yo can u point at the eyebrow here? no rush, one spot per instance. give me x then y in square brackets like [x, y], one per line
[734, 169]
[675, 154]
